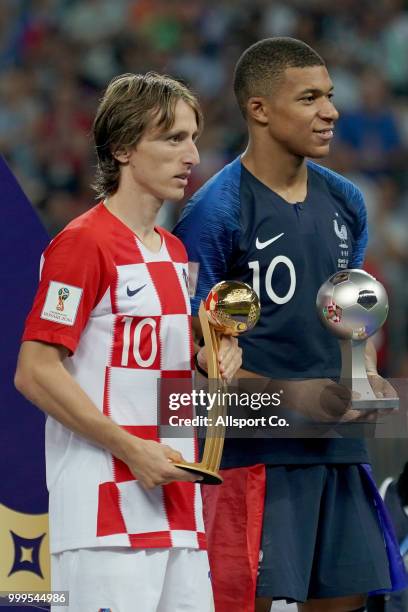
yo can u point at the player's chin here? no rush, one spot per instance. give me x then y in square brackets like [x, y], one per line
[171, 193]
[174, 194]
[318, 151]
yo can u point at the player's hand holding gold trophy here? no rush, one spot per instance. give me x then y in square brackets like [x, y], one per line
[231, 308]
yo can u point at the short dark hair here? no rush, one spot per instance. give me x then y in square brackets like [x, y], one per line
[262, 65]
[129, 104]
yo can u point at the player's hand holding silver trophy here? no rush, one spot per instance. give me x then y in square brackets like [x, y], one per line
[353, 305]
[231, 308]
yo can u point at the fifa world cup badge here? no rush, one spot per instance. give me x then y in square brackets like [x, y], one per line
[63, 294]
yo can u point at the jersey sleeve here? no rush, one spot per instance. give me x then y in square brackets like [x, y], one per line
[209, 229]
[360, 244]
[71, 283]
[353, 198]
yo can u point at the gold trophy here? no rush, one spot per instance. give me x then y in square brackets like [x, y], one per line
[231, 308]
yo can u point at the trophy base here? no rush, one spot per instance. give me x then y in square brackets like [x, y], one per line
[209, 477]
[360, 386]
[378, 403]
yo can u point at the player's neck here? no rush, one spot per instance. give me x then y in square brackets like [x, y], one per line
[281, 171]
[138, 211]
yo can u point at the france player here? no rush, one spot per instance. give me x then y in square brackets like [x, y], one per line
[284, 225]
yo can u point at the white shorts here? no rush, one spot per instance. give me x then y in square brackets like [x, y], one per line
[129, 580]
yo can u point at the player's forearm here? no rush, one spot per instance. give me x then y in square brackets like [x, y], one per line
[43, 379]
[318, 399]
[242, 373]
[52, 389]
[197, 334]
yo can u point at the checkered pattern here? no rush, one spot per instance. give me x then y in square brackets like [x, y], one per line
[137, 333]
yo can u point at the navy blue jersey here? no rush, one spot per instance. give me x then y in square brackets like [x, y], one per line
[236, 228]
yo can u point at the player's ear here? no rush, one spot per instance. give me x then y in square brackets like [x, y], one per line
[256, 109]
[121, 154]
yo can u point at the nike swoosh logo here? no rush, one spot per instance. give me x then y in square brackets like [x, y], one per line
[132, 292]
[262, 245]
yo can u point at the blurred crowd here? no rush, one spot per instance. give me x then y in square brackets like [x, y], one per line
[56, 57]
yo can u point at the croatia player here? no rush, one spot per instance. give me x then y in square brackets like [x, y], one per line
[110, 318]
[284, 225]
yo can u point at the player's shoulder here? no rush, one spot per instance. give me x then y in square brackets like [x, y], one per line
[216, 205]
[175, 247]
[88, 229]
[338, 184]
[92, 223]
[221, 190]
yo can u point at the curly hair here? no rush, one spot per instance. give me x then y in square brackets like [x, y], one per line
[262, 65]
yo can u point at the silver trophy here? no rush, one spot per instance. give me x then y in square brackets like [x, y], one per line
[353, 305]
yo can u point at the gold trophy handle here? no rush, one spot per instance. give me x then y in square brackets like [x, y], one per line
[214, 441]
[234, 308]
[211, 341]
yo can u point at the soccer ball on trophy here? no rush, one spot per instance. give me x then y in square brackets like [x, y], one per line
[352, 304]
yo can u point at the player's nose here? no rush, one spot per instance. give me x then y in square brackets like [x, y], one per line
[328, 111]
[191, 156]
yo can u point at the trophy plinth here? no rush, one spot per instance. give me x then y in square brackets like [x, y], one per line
[208, 476]
[354, 377]
[231, 308]
[353, 305]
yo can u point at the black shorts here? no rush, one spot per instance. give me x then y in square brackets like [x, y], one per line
[321, 535]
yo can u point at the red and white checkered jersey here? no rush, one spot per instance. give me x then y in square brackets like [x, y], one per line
[124, 314]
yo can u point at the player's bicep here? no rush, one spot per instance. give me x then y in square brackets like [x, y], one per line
[42, 353]
[34, 356]
[68, 289]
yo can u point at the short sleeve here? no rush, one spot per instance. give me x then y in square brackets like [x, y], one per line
[72, 282]
[354, 200]
[362, 231]
[209, 228]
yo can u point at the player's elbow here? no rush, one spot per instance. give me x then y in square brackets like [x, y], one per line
[25, 376]
[38, 366]
[23, 379]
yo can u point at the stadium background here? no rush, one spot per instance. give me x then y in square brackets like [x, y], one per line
[56, 56]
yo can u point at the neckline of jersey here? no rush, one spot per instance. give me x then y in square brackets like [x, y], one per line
[295, 205]
[123, 225]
